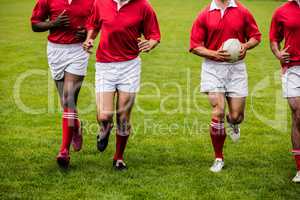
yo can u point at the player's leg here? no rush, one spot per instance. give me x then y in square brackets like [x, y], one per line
[125, 102]
[60, 88]
[105, 111]
[70, 120]
[294, 103]
[236, 108]
[217, 129]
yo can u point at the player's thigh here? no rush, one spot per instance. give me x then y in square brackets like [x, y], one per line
[125, 103]
[72, 83]
[294, 103]
[105, 104]
[236, 105]
[217, 102]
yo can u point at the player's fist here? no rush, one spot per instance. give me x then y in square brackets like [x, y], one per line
[88, 45]
[61, 21]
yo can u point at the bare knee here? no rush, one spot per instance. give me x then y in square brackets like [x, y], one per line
[68, 100]
[218, 113]
[296, 116]
[236, 117]
[104, 118]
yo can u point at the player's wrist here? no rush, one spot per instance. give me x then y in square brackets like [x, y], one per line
[52, 24]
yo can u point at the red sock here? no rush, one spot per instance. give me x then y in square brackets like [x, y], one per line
[121, 142]
[297, 158]
[218, 136]
[69, 124]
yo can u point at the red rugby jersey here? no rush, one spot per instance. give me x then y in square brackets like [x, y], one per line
[286, 26]
[78, 12]
[212, 30]
[120, 29]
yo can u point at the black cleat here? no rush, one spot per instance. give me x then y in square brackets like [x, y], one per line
[102, 142]
[119, 165]
[103, 137]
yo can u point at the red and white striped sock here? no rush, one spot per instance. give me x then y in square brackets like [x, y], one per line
[296, 153]
[70, 123]
[218, 136]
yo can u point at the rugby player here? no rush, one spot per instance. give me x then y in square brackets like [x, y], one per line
[65, 20]
[285, 27]
[122, 24]
[222, 80]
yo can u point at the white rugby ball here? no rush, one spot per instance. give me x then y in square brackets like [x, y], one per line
[233, 47]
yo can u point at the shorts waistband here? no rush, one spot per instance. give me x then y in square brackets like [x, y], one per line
[55, 45]
[208, 61]
[138, 58]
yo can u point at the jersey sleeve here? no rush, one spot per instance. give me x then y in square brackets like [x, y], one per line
[252, 30]
[276, 29]
[40, 12]
[198, 33]
[151, 28]
[94, 21]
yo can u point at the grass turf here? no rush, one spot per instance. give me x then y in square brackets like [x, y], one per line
[170, 151]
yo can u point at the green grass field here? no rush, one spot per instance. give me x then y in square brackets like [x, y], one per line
[170, 151]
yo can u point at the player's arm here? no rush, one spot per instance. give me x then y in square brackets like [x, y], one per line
[219, 55]
[147, 45]
[151, 31]
[61, 21]
[197, 44]
[252, 43]
[253, 34]
[89, 42]
[282, 55]
[40, 16]
[276, 37]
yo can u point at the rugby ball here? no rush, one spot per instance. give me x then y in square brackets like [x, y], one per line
[233, 47]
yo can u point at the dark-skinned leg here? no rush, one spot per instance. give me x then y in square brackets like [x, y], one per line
[70, 121]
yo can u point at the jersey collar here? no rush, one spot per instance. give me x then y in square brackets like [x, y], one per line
[297, 1]
[214, 6]
[120, 4]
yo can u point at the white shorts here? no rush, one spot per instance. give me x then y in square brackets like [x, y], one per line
[122, 76]
[228, 78]
[291, 82]
[67, 58]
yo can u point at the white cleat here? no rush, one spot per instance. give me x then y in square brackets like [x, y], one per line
[217, 166]
[234, 132]
[296, 179]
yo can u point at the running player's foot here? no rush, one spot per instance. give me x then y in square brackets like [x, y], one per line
[217, 166]
[119, 165]
[296, 179]
[77, 139]
[102, 141]
[234, 131]
[63, 159]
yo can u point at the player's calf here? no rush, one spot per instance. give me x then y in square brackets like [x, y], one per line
[106, 124]
[123, 132]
